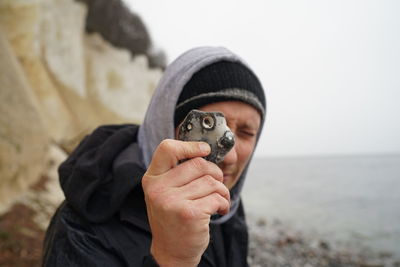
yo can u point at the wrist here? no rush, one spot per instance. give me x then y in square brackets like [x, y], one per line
[165, 259]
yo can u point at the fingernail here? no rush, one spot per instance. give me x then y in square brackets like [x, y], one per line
[204, 147]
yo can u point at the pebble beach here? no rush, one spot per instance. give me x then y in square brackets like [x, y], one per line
[274, 243]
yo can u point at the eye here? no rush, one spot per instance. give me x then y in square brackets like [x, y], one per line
[248, 134]
[208, 122]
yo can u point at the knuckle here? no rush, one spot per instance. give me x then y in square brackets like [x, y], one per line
[154, 193]
[225, 191]
[216, 186]
[166, 145]
[166, 207]
[166, 203]
[153, 196]
[223, 202]
[210, 181]
[187, 213]
[220, 174]
[215, 171]
[199, 163]
[220, 199]
[146, 182]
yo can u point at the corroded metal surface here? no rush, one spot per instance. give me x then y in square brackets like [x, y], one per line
[209, 127]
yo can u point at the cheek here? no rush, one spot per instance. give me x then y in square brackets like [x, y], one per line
[244, 151]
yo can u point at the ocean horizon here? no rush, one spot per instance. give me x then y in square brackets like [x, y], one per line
[352, 199]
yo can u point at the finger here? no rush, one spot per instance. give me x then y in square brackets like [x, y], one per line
[192, 169]
[212, 204]
[203, 187]
[170, 151]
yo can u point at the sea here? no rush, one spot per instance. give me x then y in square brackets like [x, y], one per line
[348, 199]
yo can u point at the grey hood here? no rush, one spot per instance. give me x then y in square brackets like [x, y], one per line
[159, 119]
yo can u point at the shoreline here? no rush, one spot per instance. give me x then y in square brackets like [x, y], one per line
[273, 243]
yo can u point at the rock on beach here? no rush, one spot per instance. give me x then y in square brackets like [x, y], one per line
[274, 243]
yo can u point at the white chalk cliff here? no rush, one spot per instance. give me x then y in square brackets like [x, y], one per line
[57, 83]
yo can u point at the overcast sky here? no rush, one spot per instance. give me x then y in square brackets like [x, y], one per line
[331, 69]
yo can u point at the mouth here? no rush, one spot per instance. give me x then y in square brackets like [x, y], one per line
[227, 176]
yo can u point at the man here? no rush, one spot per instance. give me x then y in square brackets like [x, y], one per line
[129, 202]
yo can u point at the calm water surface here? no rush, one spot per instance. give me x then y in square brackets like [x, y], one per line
[350, 198]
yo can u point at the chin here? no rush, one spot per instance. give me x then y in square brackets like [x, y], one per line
[230, 182]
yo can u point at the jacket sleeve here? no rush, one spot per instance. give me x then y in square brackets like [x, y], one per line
[149, 261]
[71, 241]
[91, 184]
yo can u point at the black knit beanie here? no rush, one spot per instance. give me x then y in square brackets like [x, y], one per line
[220, 81]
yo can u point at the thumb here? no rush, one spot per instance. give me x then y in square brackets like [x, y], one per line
[170, 151]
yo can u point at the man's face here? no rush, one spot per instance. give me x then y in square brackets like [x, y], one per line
[244, 121]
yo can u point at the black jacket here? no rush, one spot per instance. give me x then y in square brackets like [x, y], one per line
[103, 221]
